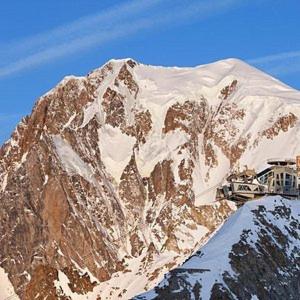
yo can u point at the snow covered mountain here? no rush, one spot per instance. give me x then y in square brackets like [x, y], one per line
[255, 255]
[110, 182]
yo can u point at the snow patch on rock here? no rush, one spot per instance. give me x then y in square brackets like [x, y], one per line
[116, 149]
[6, 289]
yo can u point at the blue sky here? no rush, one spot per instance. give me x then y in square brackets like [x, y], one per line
[42, 41]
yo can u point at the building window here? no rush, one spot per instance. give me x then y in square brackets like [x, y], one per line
[244, 188]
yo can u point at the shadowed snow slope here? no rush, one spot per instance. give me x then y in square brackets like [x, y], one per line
[255, 255]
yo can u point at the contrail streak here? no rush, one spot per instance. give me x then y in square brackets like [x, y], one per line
[105, 18]
[85, 33]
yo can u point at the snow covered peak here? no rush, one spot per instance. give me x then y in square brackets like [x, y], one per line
[214, 75]
[128, 158]
[121, 60]
[200, 80]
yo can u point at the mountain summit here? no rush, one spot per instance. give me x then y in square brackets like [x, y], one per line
[110, 182]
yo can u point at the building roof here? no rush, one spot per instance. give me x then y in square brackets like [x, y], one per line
[281, 162]
[265, 171]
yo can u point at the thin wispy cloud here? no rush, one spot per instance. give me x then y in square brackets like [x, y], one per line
[280, 63]
[100, 29]
[83, 25]
[275, 57]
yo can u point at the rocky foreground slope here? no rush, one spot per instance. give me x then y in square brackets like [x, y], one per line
[255, 255]
[110, 182]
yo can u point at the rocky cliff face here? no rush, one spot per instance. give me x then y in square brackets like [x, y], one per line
[113, 175]
[255, 255]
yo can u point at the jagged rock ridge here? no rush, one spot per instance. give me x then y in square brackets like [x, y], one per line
[255, 255]
[113, 174]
